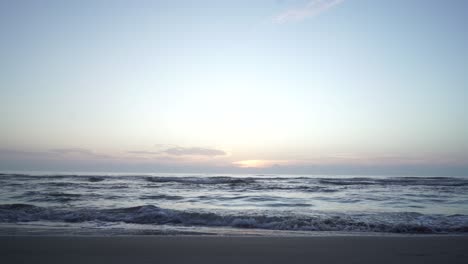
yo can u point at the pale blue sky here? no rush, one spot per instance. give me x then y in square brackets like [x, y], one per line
[306, 85]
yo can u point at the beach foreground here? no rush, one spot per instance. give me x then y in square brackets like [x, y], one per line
[203, 249]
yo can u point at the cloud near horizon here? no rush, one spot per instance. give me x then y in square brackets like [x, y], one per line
[71, 159]
[194, 151]
[311, 9]
[183, 151]
[72, 151]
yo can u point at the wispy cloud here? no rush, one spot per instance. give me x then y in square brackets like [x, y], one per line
[72, 151]
[81, 152]
[182, 151]
[260, 163]
[143, 152]
[54, 154]
[310, 9]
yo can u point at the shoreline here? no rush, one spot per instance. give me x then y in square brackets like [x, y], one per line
[234, 249]
[36, 230]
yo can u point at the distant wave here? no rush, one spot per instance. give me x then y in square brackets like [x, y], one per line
[402, 181]
[161, 197]
[202, 180]
[213, 180]
[90, 178]
[149, 214]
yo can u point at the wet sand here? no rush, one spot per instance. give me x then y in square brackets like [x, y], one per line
[205, 249]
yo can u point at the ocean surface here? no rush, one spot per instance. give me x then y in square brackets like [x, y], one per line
[224, 204]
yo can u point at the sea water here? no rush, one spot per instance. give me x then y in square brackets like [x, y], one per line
[112, 203]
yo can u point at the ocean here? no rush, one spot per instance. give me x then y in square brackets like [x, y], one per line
[226, 204]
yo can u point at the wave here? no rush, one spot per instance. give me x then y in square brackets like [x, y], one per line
[162, 197]
[344, 181]
[400, 181]
[202, 180]
[36, 196]
[405, 222]
[303, 188]
[57, 197]
[448, 181]
[96, 178]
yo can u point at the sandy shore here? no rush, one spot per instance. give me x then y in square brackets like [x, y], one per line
[193, 249]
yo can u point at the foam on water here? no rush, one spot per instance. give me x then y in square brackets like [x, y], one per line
[280, 202]
[150, 214]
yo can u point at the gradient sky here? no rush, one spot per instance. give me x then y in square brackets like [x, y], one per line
[299, 86]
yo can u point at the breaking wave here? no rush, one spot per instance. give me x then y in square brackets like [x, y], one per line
[406, 222]
[272, 202]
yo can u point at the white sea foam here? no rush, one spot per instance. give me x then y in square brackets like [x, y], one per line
[149, 214]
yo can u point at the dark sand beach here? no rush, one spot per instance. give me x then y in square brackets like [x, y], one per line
[200, 249]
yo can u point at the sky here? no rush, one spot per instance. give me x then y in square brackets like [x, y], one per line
[273, 86]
